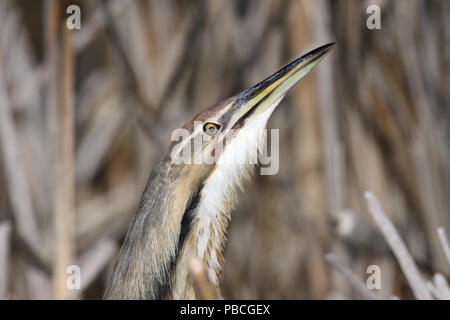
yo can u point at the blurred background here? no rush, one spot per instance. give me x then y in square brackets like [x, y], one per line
[86, 114]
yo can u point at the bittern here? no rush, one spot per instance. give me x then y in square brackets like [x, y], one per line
[185, 207]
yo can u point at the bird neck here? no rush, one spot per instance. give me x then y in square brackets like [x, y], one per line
[184, 210]
[146, 260]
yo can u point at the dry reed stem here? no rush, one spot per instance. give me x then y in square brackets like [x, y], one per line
[352, 278]
[64, 192]
[444, 242]
[5, 243]
[405, 260]
[95, 259]
[203, 285]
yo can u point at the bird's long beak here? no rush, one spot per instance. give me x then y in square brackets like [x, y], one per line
[262, 96]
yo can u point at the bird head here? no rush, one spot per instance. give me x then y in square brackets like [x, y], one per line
[231, 132]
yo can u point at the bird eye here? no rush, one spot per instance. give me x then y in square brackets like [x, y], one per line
[211, 128]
